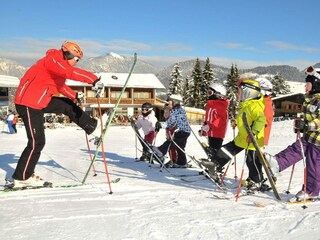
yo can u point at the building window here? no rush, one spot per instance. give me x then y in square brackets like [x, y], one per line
[142, 95]
[116, 94]
[3, 91]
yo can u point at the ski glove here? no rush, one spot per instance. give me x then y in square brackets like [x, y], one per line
[205, 128]
[98, 87]
[299, 125]
[200, 133]
[80, 97]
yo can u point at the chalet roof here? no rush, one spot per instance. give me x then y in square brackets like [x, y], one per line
[287, 95]
[8, 81]
[137, 80]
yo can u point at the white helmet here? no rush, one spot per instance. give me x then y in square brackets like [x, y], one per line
[218, 88]
[176, 98]
[265, 85]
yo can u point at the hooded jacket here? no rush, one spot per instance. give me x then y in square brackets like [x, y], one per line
[217, 118]
[46, 78]
[254, 109]
[147, 123]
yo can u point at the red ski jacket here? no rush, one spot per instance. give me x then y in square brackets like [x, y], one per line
[217, 118]
[46, 78]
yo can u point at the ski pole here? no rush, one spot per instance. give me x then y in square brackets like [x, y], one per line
[241, 176]
[90, 155]
[136, 146]
[111, 116]
[102, 147]
[225, 173]
[304, 170]
[89, 150]
[234, 158]
[292, 170]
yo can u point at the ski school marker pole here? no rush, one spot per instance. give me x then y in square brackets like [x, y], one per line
[111, 118]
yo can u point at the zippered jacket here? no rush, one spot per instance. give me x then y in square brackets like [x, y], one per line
[46, 78]
[217, 118]
[254, 109]
[311, 111]
[147, 123]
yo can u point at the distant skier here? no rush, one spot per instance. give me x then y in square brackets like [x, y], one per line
[148, 122]
[36, 96]
[9, 119]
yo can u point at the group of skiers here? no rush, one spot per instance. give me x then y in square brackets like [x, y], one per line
[37, 95]
[255, 100]
[254, 95]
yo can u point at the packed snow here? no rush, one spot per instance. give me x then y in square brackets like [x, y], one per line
[146, 203]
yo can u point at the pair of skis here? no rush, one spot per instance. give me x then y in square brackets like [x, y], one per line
[152, 155]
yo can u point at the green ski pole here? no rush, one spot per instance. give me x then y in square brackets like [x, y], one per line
[110, 119]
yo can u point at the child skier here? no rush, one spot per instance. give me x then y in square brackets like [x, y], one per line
[266, 90]
[169, 132]
[251, 102]
[148, 122]
[179, 123]
[309, 145]
[216, 121]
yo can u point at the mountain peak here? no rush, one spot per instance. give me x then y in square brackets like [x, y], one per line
[115, 55]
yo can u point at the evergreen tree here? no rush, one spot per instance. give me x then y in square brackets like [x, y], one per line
[187, 93]
[279, 85]
[196, 77]
[208, 78]
[175, 85]
[232, 91]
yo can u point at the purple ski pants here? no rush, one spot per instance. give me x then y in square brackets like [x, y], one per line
[292, 154]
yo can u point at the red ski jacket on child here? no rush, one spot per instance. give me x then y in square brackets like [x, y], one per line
[217, 118]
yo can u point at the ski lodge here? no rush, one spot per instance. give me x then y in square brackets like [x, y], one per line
[141, 88]
[287, 106]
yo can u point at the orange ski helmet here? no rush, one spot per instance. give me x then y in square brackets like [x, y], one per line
[71, 50]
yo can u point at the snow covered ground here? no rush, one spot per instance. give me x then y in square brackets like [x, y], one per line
[146, 203]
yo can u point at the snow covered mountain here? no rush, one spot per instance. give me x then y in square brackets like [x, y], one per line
[113, 62]
[11, 68]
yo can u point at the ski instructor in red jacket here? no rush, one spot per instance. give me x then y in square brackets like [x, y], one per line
[35, 96]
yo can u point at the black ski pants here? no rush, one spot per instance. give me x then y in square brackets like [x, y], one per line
[227, 151]
[179, 138]
[34, 125]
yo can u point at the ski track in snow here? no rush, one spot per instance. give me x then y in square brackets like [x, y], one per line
[146, 203]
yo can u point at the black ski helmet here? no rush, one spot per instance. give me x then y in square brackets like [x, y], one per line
[146, 108]
[313, 76]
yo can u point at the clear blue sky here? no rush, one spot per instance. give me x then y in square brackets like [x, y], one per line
[246, 33]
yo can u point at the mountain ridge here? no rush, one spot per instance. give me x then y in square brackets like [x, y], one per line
[113, 62]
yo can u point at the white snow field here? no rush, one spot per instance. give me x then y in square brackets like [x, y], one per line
[146, 203]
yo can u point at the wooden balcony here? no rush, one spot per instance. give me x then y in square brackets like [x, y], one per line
[123, 101]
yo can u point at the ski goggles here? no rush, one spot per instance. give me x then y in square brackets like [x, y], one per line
[70, 56]
[313, 72]
[245, 84]
[145, 109]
